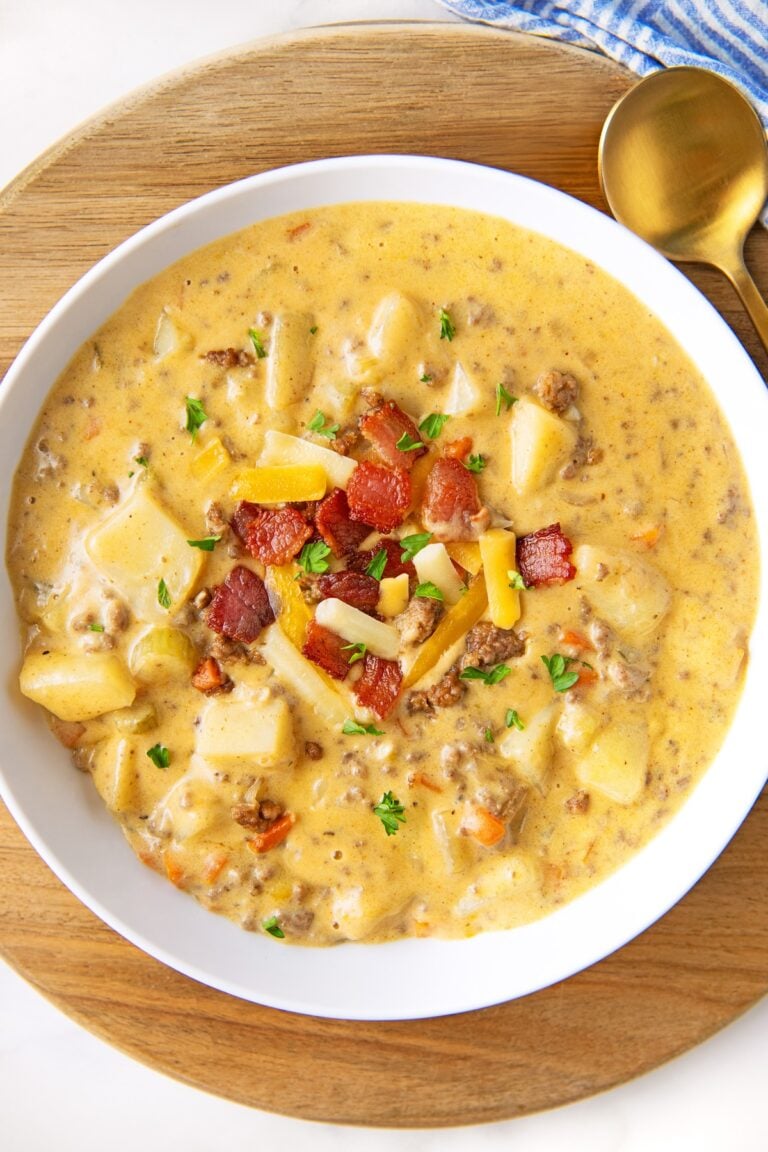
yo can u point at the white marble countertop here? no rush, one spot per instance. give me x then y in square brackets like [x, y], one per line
[60, 1087]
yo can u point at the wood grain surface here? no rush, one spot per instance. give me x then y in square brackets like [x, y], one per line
[450, 90]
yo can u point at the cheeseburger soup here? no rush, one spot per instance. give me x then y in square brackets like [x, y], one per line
[390, 570]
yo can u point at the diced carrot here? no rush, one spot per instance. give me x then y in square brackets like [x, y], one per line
[298, 230]
[648, 538]
[149, 857]
[486, 828]
[425, 782]
[213, 865]
[92, 429]
[208, 676]
[587, 675]
[173, 868]
[421, 929]
[274, 835]
[574, 640]
[458, 449]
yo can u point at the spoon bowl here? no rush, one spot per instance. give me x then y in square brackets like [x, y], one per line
[683, 163]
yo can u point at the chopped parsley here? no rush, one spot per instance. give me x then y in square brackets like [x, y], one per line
[425, 378]
[318, 425]
[352, 728]
[358, 651]
[258, 343]
[489, 736]
[391, 813]
[512, 720]
[312, 557]
[142, 461]
[196, 416]
[447, 329]
[377, 565]
[313, 330]
[207, 544]
[413, 544]
[475, 463]
[505, 398]
[271, 925]
[429, 590]
[159, 755]
[557, 666]
[432, 425]
[95, 627]
[163, 595]
[495, 676]
[406, 443]
[516, 581]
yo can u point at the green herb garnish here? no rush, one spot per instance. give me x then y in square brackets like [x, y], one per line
[159, 755]
[377, 565]
[358, 651]
[196, 416]
[505, 398]
[516, 581]
[413, 544]
[95, 627]
[557, 666]
[207, 544]
[512, 720]
[142, 461]
[432, 425]
[352, 728]
[406, 443]
[318, 426]
[475, 463]
[425, 378]
[258, 343]
[313, 330]
[271, 925]
[429, 590]
[312, 557]
[163, 595]
[495, 676]
[391, 813]
[447, 329]
[489, 736]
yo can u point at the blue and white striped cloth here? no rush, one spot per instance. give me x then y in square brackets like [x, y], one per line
[728, 36]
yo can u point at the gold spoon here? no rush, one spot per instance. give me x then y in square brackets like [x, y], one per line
[683, 162]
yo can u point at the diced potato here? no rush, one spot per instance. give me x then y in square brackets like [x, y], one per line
[359, 910]
[138, 545]
[122, 797]
[510, 877]
[541, 443]
[296, 672]
[497, 549]
[280, 483]
[281, 448]
[77, 687]
[464, 395]
[395, 330]
[531, 750]
[136, 720]
[627, 592]
[577, 724]
[162, 654]
[433, 565]
[170, 337]
[291, 361]
[358, 627]
[247, 732]
[393, 595]
[617, 762]
[465, 552]
[211, 462]
[192, 806]
[457, 851]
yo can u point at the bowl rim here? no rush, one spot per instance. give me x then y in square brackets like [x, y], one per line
[434, 977]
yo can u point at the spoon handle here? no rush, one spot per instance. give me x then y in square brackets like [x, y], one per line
[737, 273]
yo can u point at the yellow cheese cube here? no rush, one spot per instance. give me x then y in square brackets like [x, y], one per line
[393, 595]
[274, 484]
[282, 448]
[497, 549]
[247, 732]
[77, 687]
[464, 552]
[213, 460]
[541, 443]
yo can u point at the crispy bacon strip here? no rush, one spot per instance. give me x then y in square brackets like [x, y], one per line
[326, 649]
[451, 508]
[240, 607]
[384, 427]
[333, 522]
[379, 686]
[274, 535]
[379, 496]
[353, 588]
[394, 565]
[542, 557]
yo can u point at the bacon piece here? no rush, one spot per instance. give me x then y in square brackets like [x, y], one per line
[325, 648]
[240, 607]
[379, 496]
[243, 515]
[209, 677]
[451, 507]
[383, 427]
[394, 565]
[542, 557]
[332, 521]
[273, 535]
[379, 686]
[353, 588]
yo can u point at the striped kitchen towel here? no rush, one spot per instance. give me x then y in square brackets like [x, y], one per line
[728, 36]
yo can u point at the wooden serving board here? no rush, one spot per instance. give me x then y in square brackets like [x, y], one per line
[449, 90]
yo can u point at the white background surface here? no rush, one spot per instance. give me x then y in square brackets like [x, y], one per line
[60, 1088]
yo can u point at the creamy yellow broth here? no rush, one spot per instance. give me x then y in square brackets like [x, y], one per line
[653, 480]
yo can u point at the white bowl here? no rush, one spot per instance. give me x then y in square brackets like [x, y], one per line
[59, 810]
